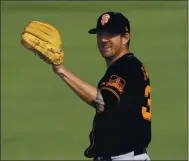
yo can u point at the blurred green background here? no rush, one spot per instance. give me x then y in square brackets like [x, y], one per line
[41, 118]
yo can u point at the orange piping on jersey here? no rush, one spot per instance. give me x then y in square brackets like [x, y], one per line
[147, 90]
[144, 72]
[111, 90]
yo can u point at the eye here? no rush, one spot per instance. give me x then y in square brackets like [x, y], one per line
[99, 34]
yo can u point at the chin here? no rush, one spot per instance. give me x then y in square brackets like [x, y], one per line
[106, 54]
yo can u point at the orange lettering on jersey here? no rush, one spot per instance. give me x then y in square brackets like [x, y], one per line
[147, 110]
[146, 115]
[117, 83]
[144, 72]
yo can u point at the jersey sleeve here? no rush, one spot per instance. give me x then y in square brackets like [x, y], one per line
[112, 89]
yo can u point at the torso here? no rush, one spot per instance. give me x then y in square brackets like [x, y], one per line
[128, 125]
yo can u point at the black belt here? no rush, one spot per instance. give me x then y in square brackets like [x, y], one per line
[108, 158]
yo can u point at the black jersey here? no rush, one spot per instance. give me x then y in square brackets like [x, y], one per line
[125, 123]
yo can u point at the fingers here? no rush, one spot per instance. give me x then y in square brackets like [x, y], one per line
[43, 32]
[54, 50]
[33, 42]
[47, 26]
[43, 40]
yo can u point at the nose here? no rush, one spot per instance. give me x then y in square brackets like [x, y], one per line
[104, 39]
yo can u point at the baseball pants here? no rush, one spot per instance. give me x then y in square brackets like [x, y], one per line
[128, 156]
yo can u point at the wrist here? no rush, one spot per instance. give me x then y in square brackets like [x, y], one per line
[59, 70]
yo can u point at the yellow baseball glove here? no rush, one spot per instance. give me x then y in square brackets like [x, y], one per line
[44, 40]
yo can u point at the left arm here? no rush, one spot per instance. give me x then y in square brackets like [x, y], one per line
[88, 93]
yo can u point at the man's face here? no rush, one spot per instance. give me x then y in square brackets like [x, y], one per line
[110, 44]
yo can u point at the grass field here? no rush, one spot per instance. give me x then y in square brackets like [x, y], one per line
[41, 118]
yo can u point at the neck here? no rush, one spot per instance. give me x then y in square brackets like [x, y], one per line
[110, 61]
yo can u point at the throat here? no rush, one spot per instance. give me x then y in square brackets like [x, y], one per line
[111, 60]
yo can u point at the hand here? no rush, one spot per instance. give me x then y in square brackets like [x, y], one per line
[44, 40]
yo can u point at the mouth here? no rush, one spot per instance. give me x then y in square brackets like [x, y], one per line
[105, 47]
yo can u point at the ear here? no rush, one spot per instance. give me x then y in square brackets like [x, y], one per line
[126, 38]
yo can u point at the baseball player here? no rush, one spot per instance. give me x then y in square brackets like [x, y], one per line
[122, 100]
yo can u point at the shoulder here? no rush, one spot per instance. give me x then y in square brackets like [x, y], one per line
[127, 66]
[135, 69]
[133, 61]
[128, 60]
[129, 63]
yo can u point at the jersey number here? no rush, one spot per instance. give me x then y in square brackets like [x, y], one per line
[146, 110]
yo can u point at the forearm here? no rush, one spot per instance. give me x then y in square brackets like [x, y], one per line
[85, 91]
